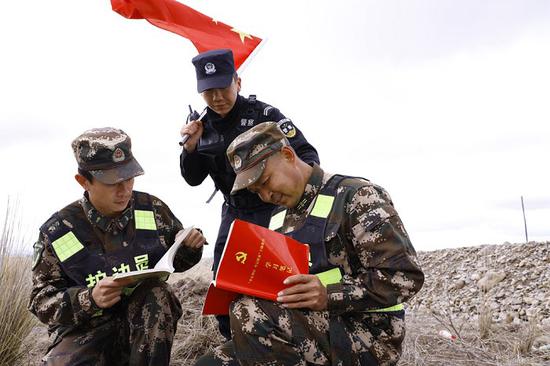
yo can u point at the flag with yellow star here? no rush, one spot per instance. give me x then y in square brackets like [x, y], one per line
[205, 32]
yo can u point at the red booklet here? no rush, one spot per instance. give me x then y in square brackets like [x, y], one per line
[255, 261]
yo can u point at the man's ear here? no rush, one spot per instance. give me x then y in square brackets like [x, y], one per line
[288, 154]
[238, 82]
[84, 183]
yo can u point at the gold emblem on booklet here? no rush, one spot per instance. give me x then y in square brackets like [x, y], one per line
[241, 257]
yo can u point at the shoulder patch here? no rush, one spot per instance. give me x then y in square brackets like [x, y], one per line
[52, 225]
[38, 249]
[287, 127]
[267, 110]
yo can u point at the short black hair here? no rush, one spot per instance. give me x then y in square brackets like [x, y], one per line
[86, 174]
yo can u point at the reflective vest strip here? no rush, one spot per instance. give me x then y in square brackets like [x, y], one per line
[145, 220]
[277, 220]
[323, 205]
[397, 307]
[330, 277]
[66, 246]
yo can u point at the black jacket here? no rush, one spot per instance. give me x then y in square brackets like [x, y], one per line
[210, 158]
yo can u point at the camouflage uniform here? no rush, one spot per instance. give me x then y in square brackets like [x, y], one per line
[374, 253]
[79, 331]
[139, 329]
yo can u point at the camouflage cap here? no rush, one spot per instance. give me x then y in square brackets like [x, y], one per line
[106, 153]
[249, 151]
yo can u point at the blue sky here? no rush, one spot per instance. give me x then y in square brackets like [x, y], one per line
[444, 103]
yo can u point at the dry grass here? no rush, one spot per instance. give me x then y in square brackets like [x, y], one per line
[196, 334]
[485, 319]
[528, 335]
[16, 321]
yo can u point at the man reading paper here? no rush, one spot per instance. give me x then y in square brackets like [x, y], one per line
[94, 319]
[354, 233]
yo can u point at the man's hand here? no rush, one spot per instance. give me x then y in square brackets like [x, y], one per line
[305, 291]
[107, 291]
[194, 129]
[194, 240]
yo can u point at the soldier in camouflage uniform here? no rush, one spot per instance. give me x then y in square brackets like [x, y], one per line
[92, 318]
[348, 310]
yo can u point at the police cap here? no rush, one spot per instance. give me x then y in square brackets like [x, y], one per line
[215, 69]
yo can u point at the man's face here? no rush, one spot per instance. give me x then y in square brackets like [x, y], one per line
[222, 100]
[109, 199]
[279, 183]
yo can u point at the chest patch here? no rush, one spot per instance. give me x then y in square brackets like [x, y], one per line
[247, 122]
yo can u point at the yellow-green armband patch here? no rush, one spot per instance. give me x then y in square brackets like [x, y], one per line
[330, 277]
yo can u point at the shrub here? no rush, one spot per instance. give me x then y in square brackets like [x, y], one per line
[16, 322]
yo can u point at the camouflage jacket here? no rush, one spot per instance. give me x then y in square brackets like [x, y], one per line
[56, 299]
[378, 263]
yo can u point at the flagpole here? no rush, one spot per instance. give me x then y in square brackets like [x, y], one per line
[243, 66]
[524, 221]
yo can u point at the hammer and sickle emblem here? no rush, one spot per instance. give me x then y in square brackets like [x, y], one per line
[241, 257]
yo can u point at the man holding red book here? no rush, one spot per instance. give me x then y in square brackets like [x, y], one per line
[351, 227]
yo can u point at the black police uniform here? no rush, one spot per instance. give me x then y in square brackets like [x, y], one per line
[209, 158]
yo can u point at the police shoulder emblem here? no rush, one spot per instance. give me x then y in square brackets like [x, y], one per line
[118, 155]
[209, 68]
[287, 127]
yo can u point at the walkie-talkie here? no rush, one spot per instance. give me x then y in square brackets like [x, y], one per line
[192, 116]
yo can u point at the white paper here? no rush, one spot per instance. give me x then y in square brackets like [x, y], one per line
[165, 265]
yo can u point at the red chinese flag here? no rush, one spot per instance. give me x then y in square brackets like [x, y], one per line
[205, 32]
